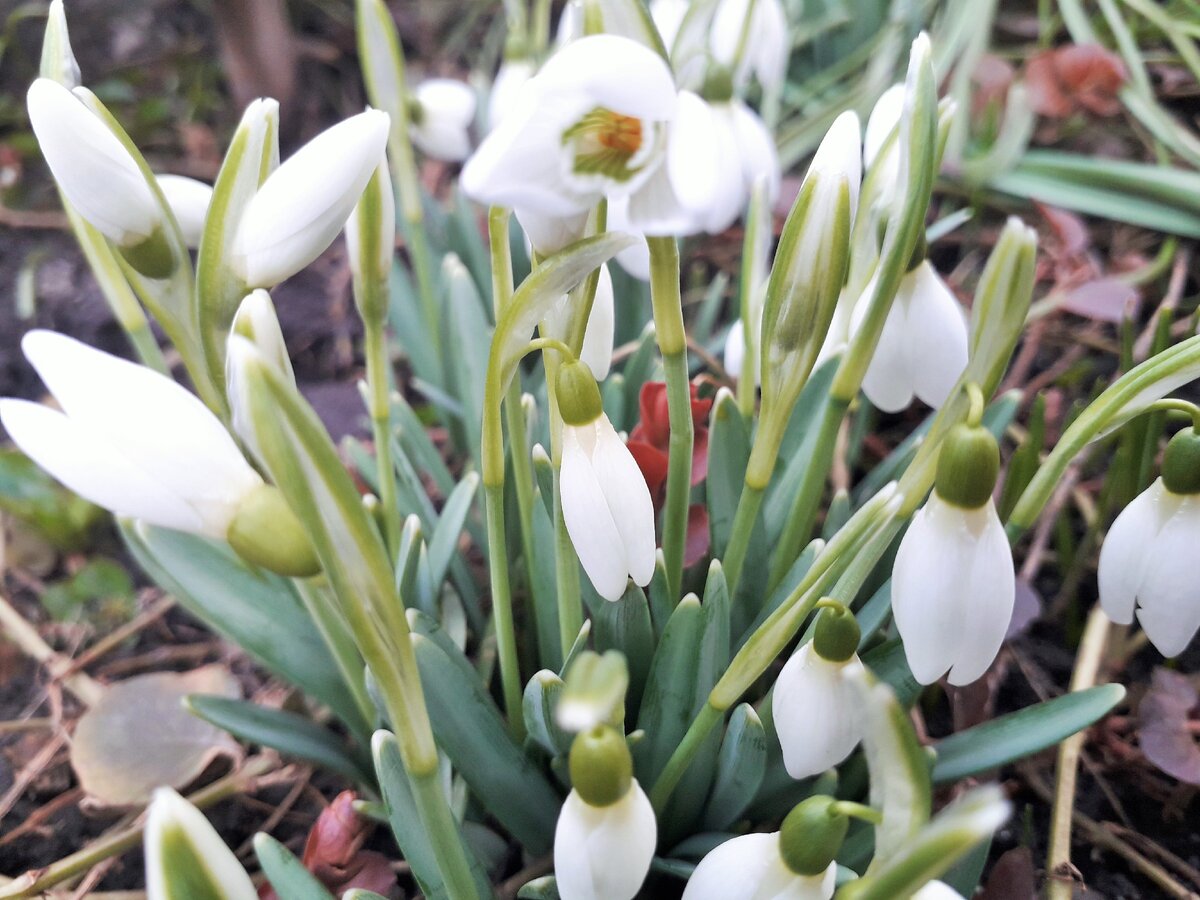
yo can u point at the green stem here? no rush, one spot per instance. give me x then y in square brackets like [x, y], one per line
[506, 638]
[378, 389]
[706, 720]
[858, 811]
[442, 829]
[1173, 404]
[799, 524]
[566, 576]
[749, 503]
[672, 344]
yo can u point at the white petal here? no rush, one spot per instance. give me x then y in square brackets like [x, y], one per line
[750, 868]
[170, 812]
[636, 259]
[756, 148]
[814, 711]
[509, 81]
[937, 335]
[597, 350]
[937, 890]
[884, 118]
[92, 167]
[613, 72]
[188, 199]
[448, 99]
[442, 140]
[888, 382]
[257, 321]
[735, 349]
[1169, 598]
[628, 499]
[58, 59]
[549, 234]
[304, 203]
[520, 164]
[1128, 549]
[654, 209]
[766, 49]
[987, 597]
[932, 566]
[700, 154]
[594, 534]
[839, 154]
[771, 40]
[98, 473]
[604, 853]
[150, 420]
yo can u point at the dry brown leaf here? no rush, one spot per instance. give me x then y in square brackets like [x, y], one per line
[140, 736]
[1012, 877]
[1164, 725]
[1103, 299]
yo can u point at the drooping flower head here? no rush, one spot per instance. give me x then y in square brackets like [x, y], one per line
[441, 115]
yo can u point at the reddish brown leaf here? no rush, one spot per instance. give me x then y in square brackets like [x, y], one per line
[1103, 299]
[993, 76]
[1163, 725]
[1075, 78]
[1012, 877]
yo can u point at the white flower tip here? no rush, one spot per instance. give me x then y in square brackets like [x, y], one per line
[578, 716]
[840, 152]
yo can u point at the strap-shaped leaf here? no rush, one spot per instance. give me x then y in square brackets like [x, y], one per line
[285, 872]
[1018, 734]
[741, 765]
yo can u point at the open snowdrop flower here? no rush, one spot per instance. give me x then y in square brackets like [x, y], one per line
[606, 832]
[634, 259]
[186, 858]
[441, 114]
[1146, 561]
[303, 204]
[813, 703]
[507, 85]
[97, 174]
[794, 863]
[189, 200]
[606, 505]
[135, 442]
[923, 346]
[953, 585]
[597, 350]
[668, 15]
[592, 122]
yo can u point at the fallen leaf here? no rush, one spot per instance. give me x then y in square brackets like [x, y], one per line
[1103, 300]
[1012, 877]
[1075, 78]
[139, 736]
[1163, 725]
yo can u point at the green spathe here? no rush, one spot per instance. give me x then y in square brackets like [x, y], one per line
[151, 257]
[578, 394]
[1181, 463]
[267, 533]
[968, 464]
[601, 766]
[811, 835]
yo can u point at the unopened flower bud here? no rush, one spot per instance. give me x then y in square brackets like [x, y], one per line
[811, 835]
[266, 532]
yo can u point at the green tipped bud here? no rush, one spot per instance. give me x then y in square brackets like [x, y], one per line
[811, 835]
[601, 767]
[968, 463]
[266, 532]
[1181, 463]
[578, 394]
[837, 633]
[151, 257]
[594, 692]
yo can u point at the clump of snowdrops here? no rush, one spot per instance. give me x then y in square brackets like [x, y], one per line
[679, 677]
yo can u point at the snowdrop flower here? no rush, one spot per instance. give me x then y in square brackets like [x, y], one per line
[606, 505]
[606, 831]
[1146, 561]
[257, 322]
[97, 174]
[794, 863]
[129, 439]
[188, 200]
[597, 350]
[181, 849]
[442, 111]
[764, 52]
[634, 259]
[304, 203]
[58, 59]
[508, 83]
[923, 346]
[371, 244]
[593, 122]
[953, 585]
[814, 705]
[883, 121]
